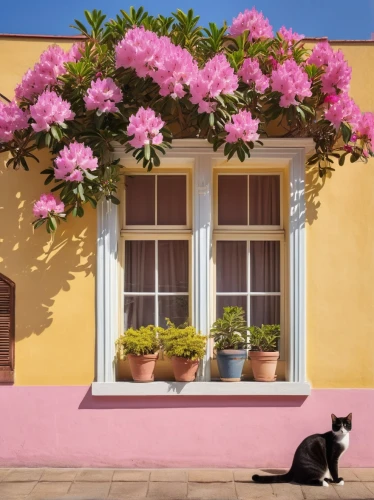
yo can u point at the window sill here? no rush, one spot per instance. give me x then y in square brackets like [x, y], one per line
[201, 389]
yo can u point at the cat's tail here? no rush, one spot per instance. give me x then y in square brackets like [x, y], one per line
[282, 478]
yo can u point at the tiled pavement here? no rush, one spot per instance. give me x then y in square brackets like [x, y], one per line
[160, 484]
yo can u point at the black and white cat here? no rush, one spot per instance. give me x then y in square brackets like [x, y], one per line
[316, 458]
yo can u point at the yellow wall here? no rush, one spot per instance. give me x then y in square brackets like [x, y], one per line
[55, 279]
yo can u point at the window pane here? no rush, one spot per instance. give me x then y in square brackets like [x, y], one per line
[232, 200]
[231, 266]
[139, 311]
[264, 200]
[223, 301]
[173, 266]
[171, 200]
[139, 266]
[265, 310]
[140, 200]
[265, 266]
[173, 307]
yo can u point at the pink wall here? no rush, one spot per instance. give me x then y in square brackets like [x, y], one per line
[67, 427]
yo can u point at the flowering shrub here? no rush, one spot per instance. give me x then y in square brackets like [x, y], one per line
[141, 81]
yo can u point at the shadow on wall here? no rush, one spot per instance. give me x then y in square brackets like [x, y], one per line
[90, 402]
[313, 185]
[40, 265]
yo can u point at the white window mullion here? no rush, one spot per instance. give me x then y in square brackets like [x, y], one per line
[202, 213]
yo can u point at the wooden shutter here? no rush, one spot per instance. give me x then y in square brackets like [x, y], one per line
[7, 329]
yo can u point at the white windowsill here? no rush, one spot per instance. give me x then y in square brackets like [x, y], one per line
[201, 389]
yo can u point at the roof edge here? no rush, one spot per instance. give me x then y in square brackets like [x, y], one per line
[50, 37]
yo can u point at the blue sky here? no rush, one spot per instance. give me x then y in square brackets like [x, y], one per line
[336, 19]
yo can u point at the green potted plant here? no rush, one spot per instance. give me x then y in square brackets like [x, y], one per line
[229, 333]
[264, 352]
[185, 346]
[141, 346]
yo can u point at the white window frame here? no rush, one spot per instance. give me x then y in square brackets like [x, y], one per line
[287, 152]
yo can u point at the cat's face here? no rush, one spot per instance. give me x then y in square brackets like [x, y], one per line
[341, 425]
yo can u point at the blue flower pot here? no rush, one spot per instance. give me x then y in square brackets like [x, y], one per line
[230, 364]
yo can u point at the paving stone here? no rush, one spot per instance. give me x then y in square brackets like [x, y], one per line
[214, 491]
[364, 474]
[167, 490]
[88, 491]
[253, 490]
[128, 489]
[50, 490]
[245, 475]
[3, 473]
[16, 490]
[287, 490]
[59, 475]
[19, 475]
[166, 475]
[131, 475]
[210, 476]
[95, 475]
[348, 475]
[320, 492]
[353, 491]
[370, 486]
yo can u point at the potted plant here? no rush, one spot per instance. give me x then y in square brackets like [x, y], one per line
[264, 352]
[185, 346]
[141, 346]
[229, 333]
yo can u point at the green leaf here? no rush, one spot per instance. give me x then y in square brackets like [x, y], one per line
[114, 200]
[147, 152]
[81, 191]
[211, 119]
[346, 132]
[56, 132]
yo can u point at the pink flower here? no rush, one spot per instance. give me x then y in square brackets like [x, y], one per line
[12, 118]
[343, 110]
[216, 78]
[145, 126]
[291, 81]
[353, 137]
[250, 72]
[50, 109]
[75, 53]
[51, 65]
[46, 205]
[347, 148]
[73, 161]
[321, 54]
[331, 99]
[365, 127]
[252, 21]
[103, 95]
[290, 36]
[243, 127]
[169, 65]
[337, 74]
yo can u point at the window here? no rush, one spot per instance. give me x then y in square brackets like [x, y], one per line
[194, 235]
[249, 245]
[156, 264]
[7, 328]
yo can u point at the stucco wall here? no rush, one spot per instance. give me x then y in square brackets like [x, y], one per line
[55, 331]
[55, 277]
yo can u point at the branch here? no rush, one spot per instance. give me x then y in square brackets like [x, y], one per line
[5, 98]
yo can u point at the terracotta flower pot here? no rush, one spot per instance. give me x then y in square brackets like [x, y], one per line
[264, 365]
[142, 367]
[184, 369]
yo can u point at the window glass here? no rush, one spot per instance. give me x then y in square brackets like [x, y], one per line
[171, 200]
[232, 200]
[264, 200]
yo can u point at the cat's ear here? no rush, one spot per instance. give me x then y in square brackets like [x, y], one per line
[333, 418]
[349, 417]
